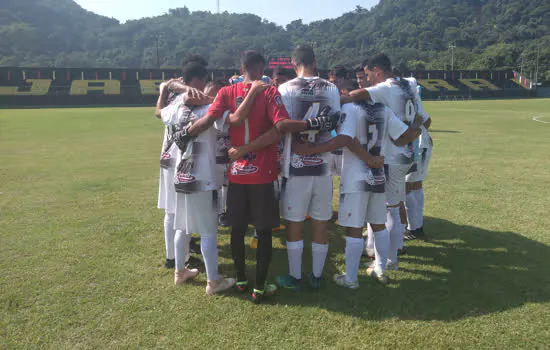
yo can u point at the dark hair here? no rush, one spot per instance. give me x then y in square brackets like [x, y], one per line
[382, 61]
[340, 72]
[193, 70]
[396, 72]
[303, 56]
[194, 58]
[359, 70]
[285, 72]
[251, 57]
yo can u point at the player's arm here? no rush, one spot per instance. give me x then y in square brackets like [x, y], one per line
[161, 102]
[265, 140]
[372, 162]
[333, 144]
[428, 123]
[244, 109]
[194, 97]
[411, 133]
[356, 96]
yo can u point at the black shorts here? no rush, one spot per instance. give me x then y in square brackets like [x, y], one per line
[253, 204]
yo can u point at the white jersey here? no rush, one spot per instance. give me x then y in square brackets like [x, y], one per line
[305, 98]
[196, 167]
[401, 98]
[373, 125]
[425, 139]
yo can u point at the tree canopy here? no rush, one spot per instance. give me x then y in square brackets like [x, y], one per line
[487, 34]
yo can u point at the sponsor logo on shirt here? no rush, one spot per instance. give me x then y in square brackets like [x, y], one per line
[305, 161]
[243, 169]
[185, 178]
[278, 100]
[238, 101]
[165, 155]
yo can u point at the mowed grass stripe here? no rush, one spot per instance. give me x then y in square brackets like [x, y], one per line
[82, 247]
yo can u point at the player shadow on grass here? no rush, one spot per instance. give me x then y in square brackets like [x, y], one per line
[461, 272]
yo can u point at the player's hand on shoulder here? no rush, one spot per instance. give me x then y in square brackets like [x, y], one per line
[376, 162]
[258, 86]
[418, 121]
[326, 121]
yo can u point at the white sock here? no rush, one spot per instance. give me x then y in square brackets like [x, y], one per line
[420, 205]
[354, 250]
[209, 249]
[182, 246]
[369, 246]
[169, 234]
[381, 249]
[295, 250]
[222, 198]
[412, 210]
[395, 227]
[319, 252]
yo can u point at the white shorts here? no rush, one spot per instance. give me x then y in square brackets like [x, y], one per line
[358, 209]
[197, 212]
[167, 191]
[304, 195]
[395, 183]
[337, 164]
[422, 164]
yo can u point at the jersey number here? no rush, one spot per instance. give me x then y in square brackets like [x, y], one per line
[410, 111]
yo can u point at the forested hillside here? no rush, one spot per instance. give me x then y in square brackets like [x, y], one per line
[488, 34]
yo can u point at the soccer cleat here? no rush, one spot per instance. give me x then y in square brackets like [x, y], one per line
[314, 282]
[222, 284]
[180, 277]
[280, 228]
[419, 233]
[371, 272]
[193, 263]
[288, 282]
[170, 263]
[242, 286]
[402, 251]
[259, 294]
[392, 267]
[340, 279]
[254, 243]
[222, 220]
[409, 236]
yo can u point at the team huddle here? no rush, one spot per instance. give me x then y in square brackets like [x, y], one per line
[260, 149]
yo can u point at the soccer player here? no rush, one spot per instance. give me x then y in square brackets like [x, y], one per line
[414, 186]
[281, 76]
[251, 194]
[366, 131]
[399, 96]
[307, 188]
[361, 77]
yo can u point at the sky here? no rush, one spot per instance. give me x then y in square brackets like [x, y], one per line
[281, 12]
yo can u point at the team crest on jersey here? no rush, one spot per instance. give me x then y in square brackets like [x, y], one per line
[278, 100]
[239, 101]
[305, 161]
[185, 177]
[239, 168]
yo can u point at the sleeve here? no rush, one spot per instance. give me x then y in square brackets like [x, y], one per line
[420, 108]
[348, 126]
[219, 124]
[396, 127]
[220, 105]
[287, 99]
[378, 93]
[276, 110]
[169, 114]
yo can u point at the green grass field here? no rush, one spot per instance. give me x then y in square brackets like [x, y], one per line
[82, 247]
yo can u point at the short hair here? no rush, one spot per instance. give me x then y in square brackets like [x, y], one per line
[340, 72]
[303, 56]
[194, 58]
[193, 70]
[285, 72]
[396, 72]
[359, 70]
[252, 57]
[382, 61]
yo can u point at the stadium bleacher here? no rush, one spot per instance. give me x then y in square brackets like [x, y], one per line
[73, 86]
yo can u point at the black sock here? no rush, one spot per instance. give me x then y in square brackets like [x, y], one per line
[238, 252]
[263, 257]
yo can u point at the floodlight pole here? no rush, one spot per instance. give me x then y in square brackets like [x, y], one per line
[452, 48]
